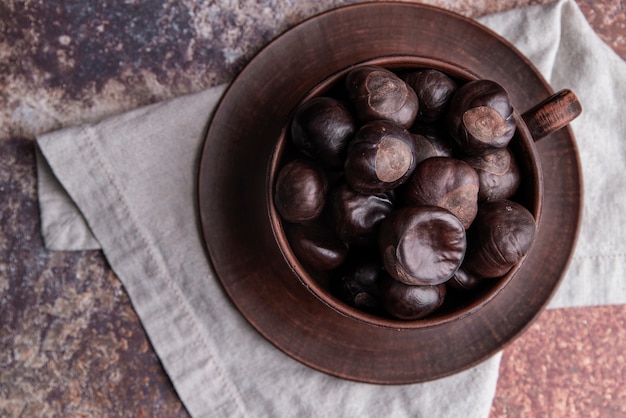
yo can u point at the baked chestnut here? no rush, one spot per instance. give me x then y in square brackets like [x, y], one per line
[410, 302]
[316, 245]
[498, 173]
[480, 117]
[421, 245]
[499, 238]
[433, 89]
[300, 192]
[380, 157]
[377, 93]
[322, 128]
[356, 216]
[445, 182]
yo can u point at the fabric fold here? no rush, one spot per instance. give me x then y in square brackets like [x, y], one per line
[119, 192]
[63, 226]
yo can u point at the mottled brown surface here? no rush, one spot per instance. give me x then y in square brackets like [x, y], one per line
[570, 363]
[70, 342]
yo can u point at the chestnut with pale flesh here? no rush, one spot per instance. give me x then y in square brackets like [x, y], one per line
[377, 93]
[380, 157]
[300, 192]
[410, 302]
[499, 238]
[422, 245]
[480, 117]
[445, 182]
[322, 128]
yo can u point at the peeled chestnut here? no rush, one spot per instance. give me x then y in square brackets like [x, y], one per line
[421, 245]
[498, 173]
[377, 93]
[480, 117]
[356, 216]
[300, 192]
[499, 238]
[433, 89]
[445, 182]
[322, 128]
[410, 302]
[380, 157]
[316, 245]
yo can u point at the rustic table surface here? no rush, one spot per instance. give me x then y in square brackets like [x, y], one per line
[70, 341]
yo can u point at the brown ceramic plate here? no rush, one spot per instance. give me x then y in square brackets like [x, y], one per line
[234, 206]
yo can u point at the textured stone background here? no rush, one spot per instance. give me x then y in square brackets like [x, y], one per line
[70, 342]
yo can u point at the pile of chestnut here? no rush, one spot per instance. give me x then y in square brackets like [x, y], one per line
[401, 187]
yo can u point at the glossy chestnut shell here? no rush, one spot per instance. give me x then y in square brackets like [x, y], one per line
[378, 93]
[433, 89]
[422, 245]
[408, 302]
[300, 192]
[356, 216]
[322, 129]
[316, 245]
[480, 117]
[446, 182]
[498, 174]
[380, 157]
[501, 235]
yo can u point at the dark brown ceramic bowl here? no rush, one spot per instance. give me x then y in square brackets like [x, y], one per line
[244, 239]
[530, 195]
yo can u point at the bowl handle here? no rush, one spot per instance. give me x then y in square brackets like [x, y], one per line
[552, 114]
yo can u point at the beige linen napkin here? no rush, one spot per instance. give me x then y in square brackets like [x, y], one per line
[127, 185]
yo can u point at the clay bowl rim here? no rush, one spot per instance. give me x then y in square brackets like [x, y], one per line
[301, 272]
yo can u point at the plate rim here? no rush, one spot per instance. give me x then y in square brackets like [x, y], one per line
[206, 234]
